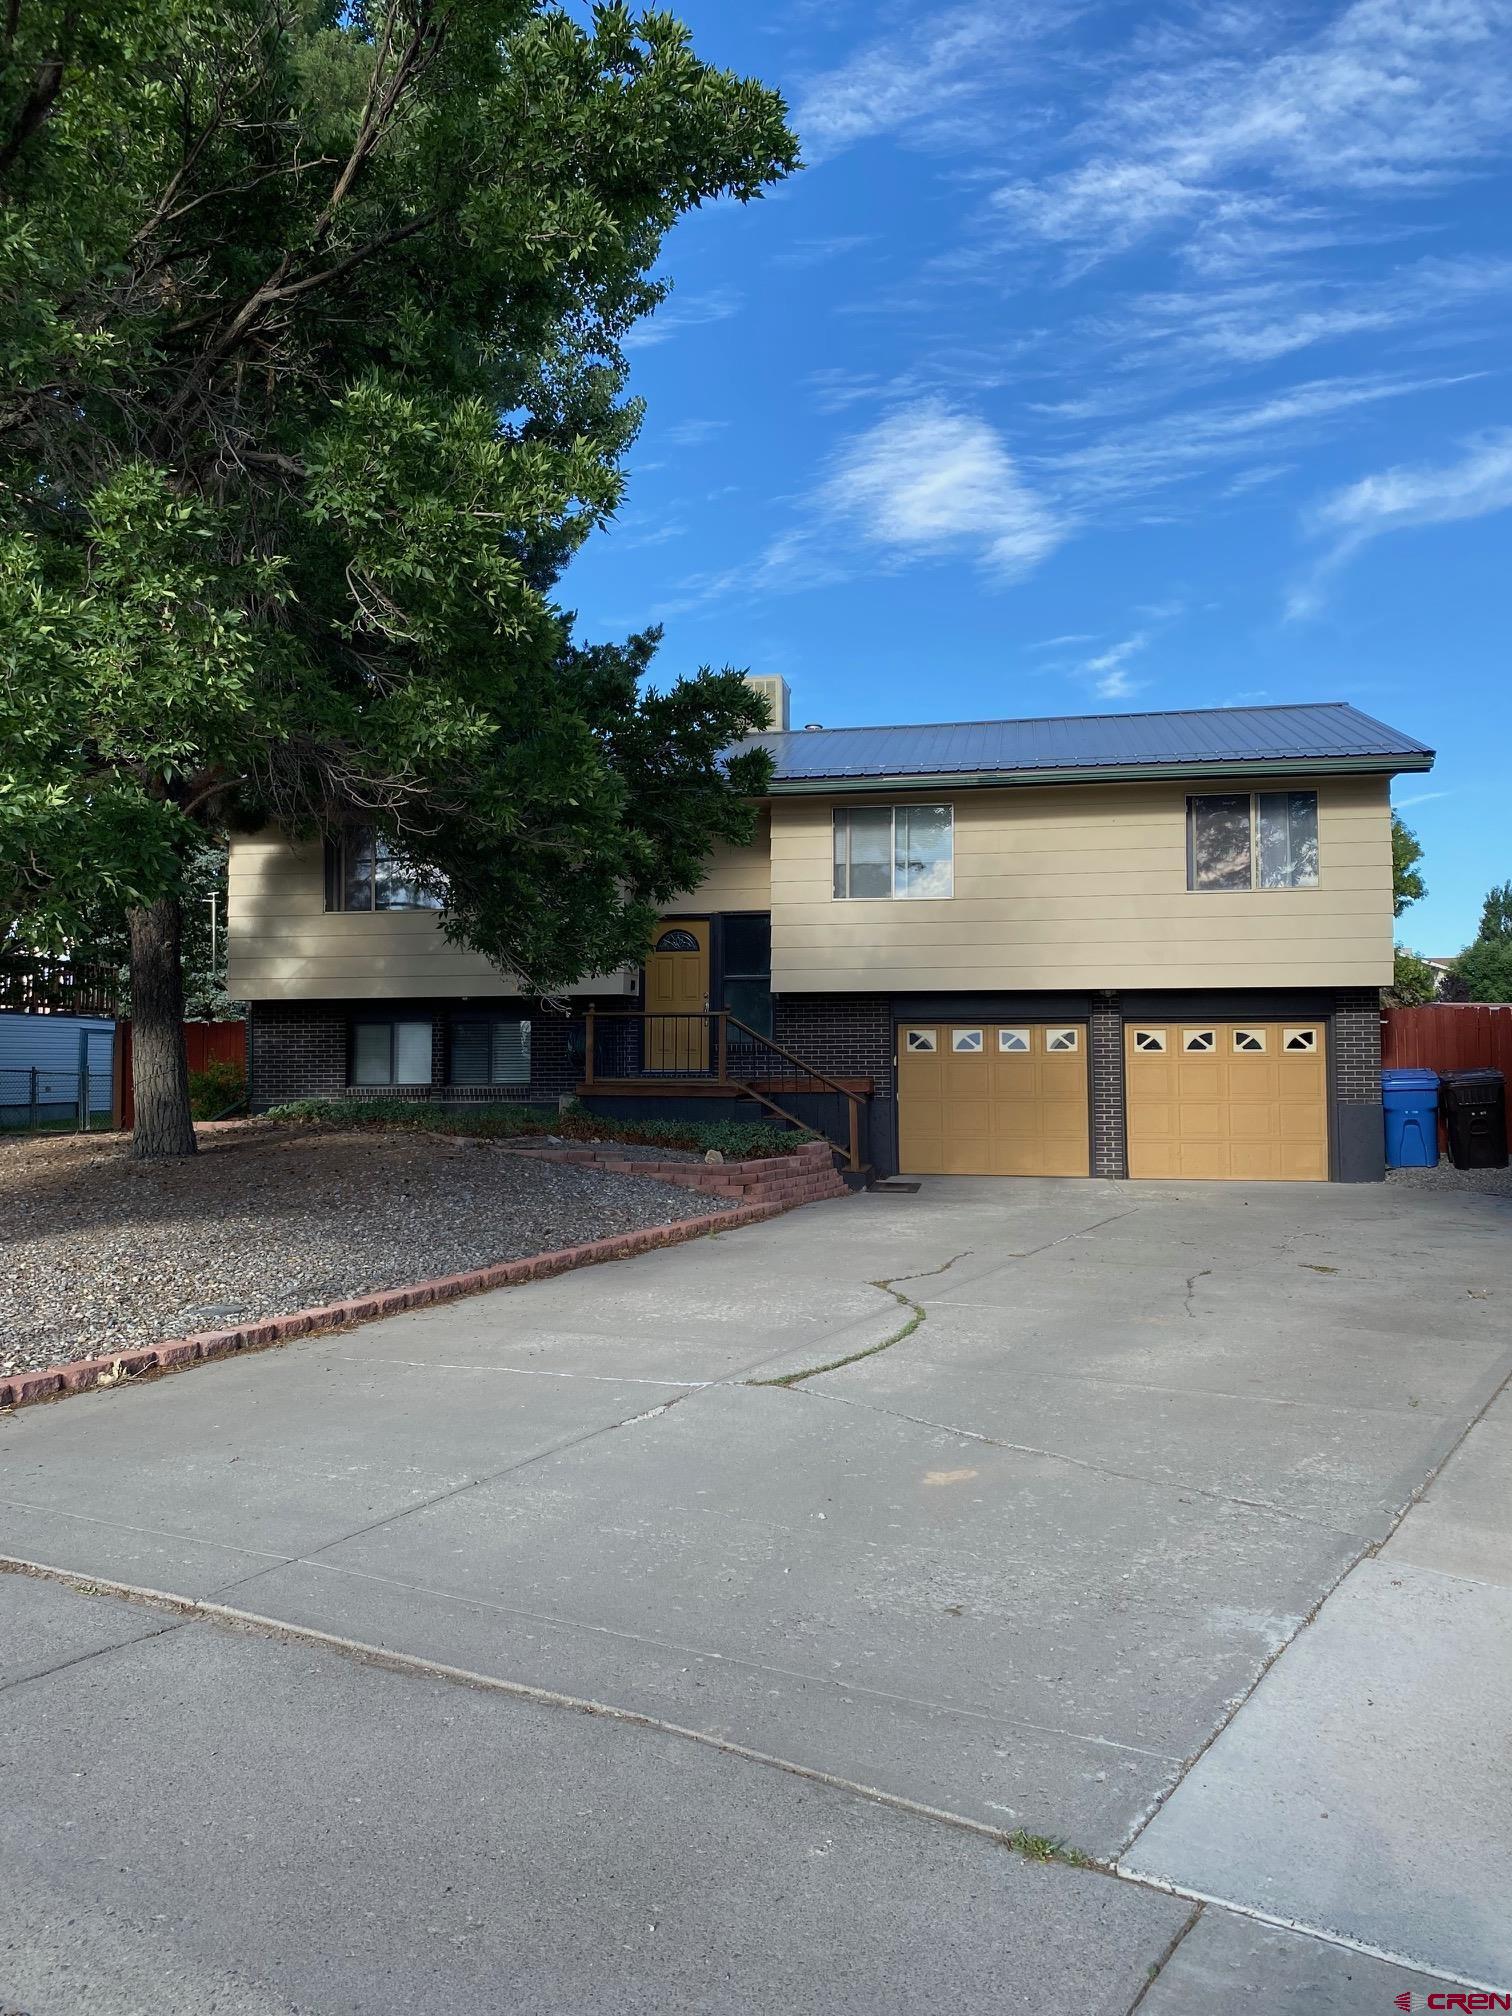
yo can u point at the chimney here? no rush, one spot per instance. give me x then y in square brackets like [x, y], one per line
[774, 690]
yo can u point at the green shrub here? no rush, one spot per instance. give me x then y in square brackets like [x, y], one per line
[222, 1085]
[1414, 982]
[1486, 968]
[735, 1139]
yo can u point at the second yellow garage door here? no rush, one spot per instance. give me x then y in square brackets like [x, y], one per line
[1242, 1102]
[992, 1099]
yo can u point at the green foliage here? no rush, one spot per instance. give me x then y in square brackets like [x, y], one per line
[100, 936]
[1485, 969]
[735, 1139]
[304, 406]
[1413, 980]
[1496, 915]
[217, 1089]
[1407, 885]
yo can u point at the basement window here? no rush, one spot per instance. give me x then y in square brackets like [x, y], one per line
[490, 1050]
[388, 1052]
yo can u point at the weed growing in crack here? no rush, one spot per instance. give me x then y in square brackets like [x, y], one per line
[919, 1314]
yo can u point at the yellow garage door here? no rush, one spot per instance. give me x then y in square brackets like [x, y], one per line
[992, 1099]
[1243, 1102]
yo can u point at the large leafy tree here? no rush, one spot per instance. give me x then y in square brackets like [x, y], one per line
[311, 382]
[1407, 884]
[1484, 970]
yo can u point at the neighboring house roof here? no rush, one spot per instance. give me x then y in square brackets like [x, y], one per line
[1214, 741]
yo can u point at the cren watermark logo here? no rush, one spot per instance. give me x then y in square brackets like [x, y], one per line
[1454, 1998]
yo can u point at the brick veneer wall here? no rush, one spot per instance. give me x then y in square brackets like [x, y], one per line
[296, 1050]
[1357, 1046]
[845, 1035]
[299, 1049]
[1105, 1046]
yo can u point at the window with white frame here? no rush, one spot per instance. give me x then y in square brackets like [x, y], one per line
[966, 1042]
[490, 1050]
[894, 851]
[1253, 840]
[922, 1040]
[391, 1051]
[366, 872]
[1062, 1039]
[1013, 1039]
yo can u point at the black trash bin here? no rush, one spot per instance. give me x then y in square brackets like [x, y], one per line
[1474, 1105]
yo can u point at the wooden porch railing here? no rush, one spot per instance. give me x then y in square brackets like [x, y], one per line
[714, 1049]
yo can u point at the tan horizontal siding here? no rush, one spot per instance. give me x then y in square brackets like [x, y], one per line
[282, 944]
[1086, 886]
[736, 878]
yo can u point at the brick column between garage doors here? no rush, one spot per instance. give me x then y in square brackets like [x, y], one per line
[1106, 1063]
[1360, 1146]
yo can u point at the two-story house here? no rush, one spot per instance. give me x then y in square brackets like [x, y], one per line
[1144, 945]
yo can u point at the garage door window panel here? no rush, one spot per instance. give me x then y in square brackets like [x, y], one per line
[966, 1042]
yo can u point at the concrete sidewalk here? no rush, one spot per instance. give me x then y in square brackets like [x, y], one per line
[1016, 1567]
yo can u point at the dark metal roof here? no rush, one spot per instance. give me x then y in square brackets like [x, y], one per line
[1331, 735]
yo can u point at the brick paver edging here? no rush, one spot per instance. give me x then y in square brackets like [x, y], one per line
[175, 1353]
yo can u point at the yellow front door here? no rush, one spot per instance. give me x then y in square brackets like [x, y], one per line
[677, 996]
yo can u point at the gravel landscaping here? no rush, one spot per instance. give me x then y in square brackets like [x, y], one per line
[98, 1253]
[1483, 1182]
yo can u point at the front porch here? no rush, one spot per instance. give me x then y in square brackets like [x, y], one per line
[633, 1055]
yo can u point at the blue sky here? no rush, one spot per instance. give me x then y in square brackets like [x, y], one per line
[1103, 357]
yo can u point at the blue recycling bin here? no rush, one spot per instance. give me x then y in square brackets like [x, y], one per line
[1410, 1100]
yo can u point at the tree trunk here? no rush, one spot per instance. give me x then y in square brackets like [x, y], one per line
[159, 1067]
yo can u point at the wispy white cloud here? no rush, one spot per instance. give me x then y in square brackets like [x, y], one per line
[804, 252]
[926, 482]
[1419, 798]
[1221, 132]
[928, 479]
[1478, 484]
[673, 316]
[694, 433]
[923, 79]
[1108, 671]
[1266, 320]
[1133, 460]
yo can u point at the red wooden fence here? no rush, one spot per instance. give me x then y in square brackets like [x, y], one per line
[205, 1042]
[1449, 1036]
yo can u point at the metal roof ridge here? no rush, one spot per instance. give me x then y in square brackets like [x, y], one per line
[1044, 720]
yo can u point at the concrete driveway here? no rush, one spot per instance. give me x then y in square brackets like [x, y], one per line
[1059, 1481]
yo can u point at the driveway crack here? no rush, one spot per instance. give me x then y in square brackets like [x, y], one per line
[917, 1314]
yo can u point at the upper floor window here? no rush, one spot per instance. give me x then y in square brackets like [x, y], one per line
[895, 850]
[365, 872]
[1253, 840]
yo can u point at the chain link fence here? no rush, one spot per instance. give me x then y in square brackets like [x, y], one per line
[36, 1099]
